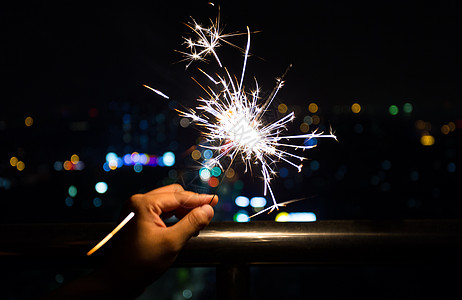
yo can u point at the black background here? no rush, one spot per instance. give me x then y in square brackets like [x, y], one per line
[73, 63]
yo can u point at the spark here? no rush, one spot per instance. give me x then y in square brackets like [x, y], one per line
[205, 42]
[232, 118]
[157, 92]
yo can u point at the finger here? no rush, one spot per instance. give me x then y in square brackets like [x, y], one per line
[193, 222]
[180, 212]
[169, 202]
[165, 189]
[213, 200]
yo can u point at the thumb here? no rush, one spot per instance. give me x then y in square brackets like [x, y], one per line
[194, 221]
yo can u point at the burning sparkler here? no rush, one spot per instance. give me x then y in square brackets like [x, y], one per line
[232, 118]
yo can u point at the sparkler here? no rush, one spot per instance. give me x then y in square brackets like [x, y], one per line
[232, 118]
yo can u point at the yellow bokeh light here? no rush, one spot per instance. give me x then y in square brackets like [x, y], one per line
[29, 121]
[452, 126]
[196, 154]
[20, 165]
[313, 108]
[304, 127]
[282, 217]
[282, 108]
[75, 159]
[13, 161]
[355, 108]
[427, 140]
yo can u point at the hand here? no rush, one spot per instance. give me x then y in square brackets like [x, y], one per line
[148, 247]
[145, 248]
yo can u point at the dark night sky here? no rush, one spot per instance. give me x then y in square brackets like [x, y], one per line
[340, 51]
[59, 62]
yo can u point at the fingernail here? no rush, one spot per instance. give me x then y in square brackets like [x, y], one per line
[208, 210]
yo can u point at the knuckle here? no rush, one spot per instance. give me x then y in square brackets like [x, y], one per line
[177, 187]
[135, 200]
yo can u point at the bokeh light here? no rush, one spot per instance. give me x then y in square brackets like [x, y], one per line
[168, 159]
[282, 108]
[97, 202]
[216, 171]
[356, 108]
[72, 191]
[196, 154]
[75, 159]
[204, 174]
[20, 165]
[230, 173]
[29, 121]
[241, 216]
[316, 119]
[258, 202]
[308, 120]
[427, 140]
[296, 217]
[101, 187]
[242, 201]
[407, 108]
[304, 127]
[14, 161]
[213, 182]
[207, 154]
[313, 108]
[393, 110]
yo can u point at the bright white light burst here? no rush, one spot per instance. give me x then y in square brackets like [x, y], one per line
[232, 118]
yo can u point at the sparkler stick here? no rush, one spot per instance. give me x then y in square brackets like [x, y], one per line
[112, 233]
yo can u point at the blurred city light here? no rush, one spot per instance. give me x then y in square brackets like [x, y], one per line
[313, 108]
[138, 160]
[295, 217]
[204, 174]
[242, 201]
[241, 216]
[258, 202]
[393, 110]
[356, 108]
[427, 140]
[101, 187]
[72, 190]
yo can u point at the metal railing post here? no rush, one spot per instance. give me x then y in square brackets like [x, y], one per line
[233, 282]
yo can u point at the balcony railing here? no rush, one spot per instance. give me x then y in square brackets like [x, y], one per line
[233, 247]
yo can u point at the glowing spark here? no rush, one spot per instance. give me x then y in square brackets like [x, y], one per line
[232, 118]
[207, 39]
[111, 234]
[156, 91]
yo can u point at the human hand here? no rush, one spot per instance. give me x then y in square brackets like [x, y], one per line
[145, 247]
